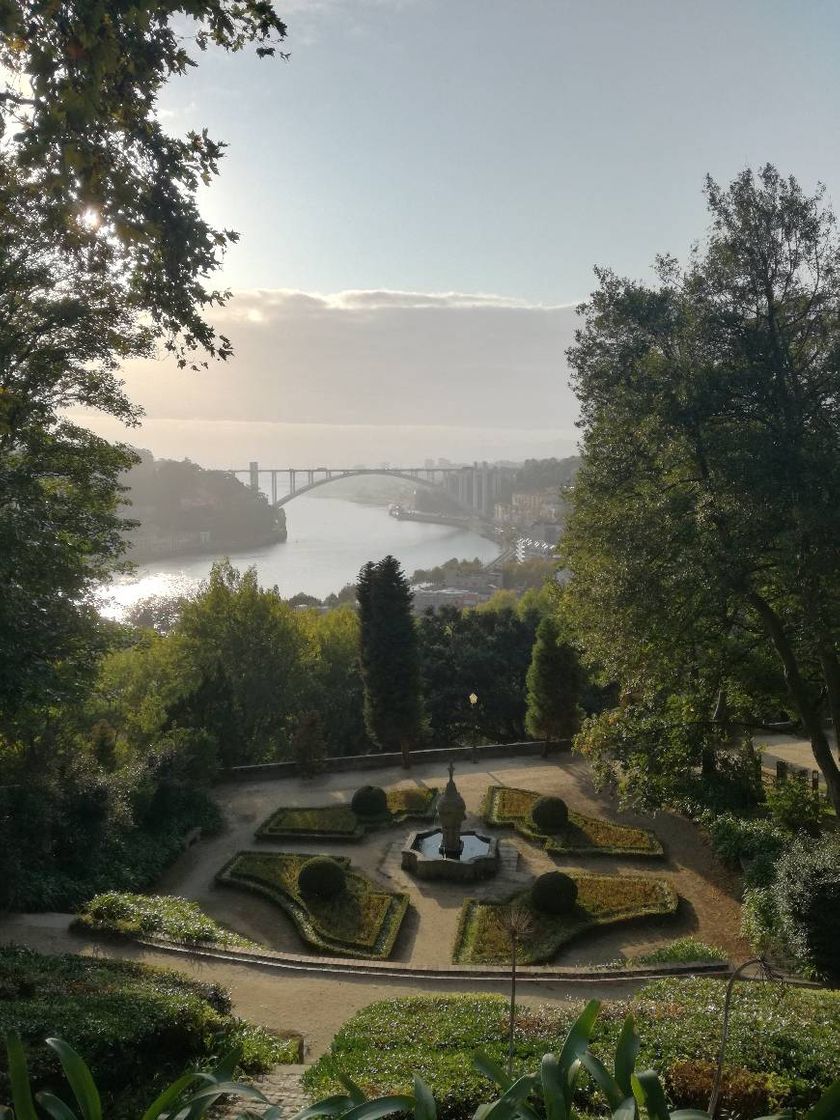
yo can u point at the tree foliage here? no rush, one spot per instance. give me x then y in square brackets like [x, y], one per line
[389, 658]
[705, 538]
[553, 682]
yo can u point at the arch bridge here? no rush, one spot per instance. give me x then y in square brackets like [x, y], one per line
[475, 489]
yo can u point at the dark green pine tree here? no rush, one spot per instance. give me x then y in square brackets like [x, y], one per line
[389, 658]
[309, 747]
[554, 683]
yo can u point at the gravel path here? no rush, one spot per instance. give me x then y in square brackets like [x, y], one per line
[709, 910]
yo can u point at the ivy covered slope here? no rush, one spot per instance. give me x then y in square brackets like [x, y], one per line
[127, 1019]
[504, 805]
[361, 921]
[340, 822]
[783, 1044]
[156, 917]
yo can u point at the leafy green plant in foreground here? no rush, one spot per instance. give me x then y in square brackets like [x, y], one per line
[629, 1093]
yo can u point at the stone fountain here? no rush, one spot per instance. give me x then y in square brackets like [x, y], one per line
[448, 852]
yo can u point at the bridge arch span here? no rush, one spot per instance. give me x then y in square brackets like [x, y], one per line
[335, 476]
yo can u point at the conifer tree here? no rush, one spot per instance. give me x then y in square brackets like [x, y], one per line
[308, 745]
[389, 658]
[553, 683]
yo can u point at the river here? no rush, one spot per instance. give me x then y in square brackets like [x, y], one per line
[329, 541]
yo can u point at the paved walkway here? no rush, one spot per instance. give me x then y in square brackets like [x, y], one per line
[710, 908]
[315, 1005]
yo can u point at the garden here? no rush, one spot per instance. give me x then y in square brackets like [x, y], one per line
[557, 908]
[369, 808]
[543, 820]
[335, 909]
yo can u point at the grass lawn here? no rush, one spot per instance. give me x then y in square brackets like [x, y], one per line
[788, 1037]
[362, 922]
[602, 900]
[504, 805]
[136, 1026]
[339, 822]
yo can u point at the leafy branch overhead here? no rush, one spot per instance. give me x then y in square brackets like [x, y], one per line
[79, 111]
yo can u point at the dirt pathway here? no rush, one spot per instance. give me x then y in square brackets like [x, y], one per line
[709, 909]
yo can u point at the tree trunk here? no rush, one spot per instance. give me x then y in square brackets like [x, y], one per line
[799, 694]
[405, 747]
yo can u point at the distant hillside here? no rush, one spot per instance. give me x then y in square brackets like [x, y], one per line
[183, 508]
[543, 474]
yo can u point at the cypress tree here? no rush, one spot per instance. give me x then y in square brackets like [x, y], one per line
[390, 659]
[553, 684]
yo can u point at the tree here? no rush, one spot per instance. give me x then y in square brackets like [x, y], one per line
[553, 684]
[705, 536]
[389, 658]
[308, 746]
[79, 102]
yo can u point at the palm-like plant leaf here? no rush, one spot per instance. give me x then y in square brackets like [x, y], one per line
[22, 1102]
[80, 1079]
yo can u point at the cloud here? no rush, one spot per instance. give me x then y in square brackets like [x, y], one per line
[376, 357]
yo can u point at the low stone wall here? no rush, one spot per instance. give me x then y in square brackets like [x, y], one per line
[352, 762]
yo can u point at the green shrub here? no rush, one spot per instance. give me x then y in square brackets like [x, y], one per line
[796, 807]
[369, 801]
[554, 893]
[737, 838]
[806, 893]
[791, 1033]
[550, 814]
[142, 915]
[743, 1094]
[684, 950]
[133, 1023]
[322, 877]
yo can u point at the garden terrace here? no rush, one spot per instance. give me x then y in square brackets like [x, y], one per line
[505, 806]
[117, 1014]
[339, 822]
[787, 1039]
[156, 917]
[601, 901]
[361, 922]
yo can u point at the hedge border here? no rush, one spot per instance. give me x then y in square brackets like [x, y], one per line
[364, 825]
[470, 906]
[303, 921]
[550, 843]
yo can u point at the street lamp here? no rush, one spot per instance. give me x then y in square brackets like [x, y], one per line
[473, 699]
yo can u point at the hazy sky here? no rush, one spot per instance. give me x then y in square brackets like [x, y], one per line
[470, 146]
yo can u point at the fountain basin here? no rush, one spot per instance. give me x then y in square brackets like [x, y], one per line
[423, 857]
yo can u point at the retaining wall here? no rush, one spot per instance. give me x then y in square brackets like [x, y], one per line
[273, 770]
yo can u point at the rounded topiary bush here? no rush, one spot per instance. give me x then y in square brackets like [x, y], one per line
[369, 801]
[321, 877]
[550, 814]
[554, 893]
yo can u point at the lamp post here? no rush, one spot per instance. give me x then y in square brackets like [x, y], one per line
[473, 699]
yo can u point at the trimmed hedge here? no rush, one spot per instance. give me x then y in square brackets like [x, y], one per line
[362, 922]
[601, 900]
[340, 822]
[506, 806]
[550, 814]
[554, 893]
[789, 1035]
[321, 877]
[162, 917]
[369, 801]
[136, 1026]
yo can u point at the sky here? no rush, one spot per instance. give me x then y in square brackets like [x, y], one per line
[422, 191]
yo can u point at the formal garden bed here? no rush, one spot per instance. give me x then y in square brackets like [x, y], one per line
[340, 822]
[362, 920]
[782, 1049]
[155, 917]
[602, 900]
[126, 1019]
[505, 806]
